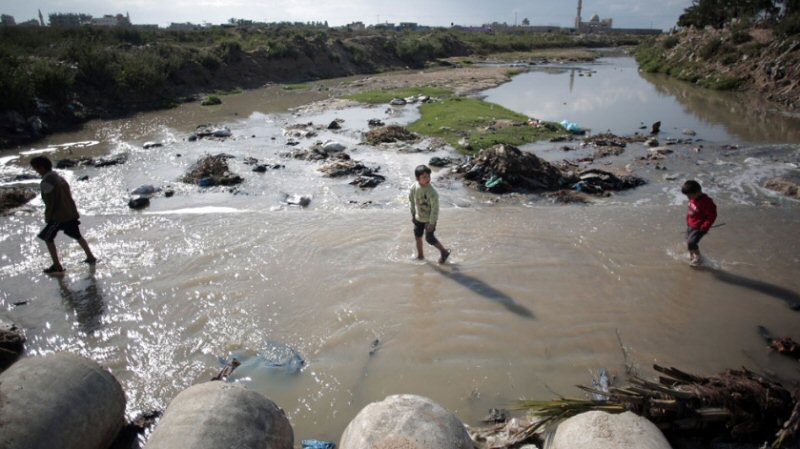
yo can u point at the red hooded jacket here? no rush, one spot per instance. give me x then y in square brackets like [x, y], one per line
[702, 213]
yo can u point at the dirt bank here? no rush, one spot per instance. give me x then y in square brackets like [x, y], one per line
[730, 58]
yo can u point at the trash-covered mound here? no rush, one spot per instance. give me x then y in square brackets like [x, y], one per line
[787, 185]
[504, 168]
[212, 171]
[12, 197]
[388, 134]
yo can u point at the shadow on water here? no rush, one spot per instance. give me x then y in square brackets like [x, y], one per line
[85, 299]
[791, 298]
[487, 291]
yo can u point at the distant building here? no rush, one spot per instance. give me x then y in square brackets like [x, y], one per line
[384, 26]
[109, 20]
[29, 23]
[69, 20]
[595, 24]
[7, 20]
[356, 26]
[408, 26]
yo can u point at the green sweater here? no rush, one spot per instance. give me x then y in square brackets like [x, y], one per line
[424, 203]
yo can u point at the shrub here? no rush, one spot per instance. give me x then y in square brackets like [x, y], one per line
[670, 42]
[710, 48]
[211, 100]
[740, 37]
[52, 81]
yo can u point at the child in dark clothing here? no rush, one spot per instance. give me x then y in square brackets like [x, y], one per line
[60, 213]
[699, 218]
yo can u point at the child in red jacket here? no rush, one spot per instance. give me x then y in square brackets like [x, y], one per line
[699, 218]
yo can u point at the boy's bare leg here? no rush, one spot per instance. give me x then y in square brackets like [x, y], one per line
[444, 252]
[420, 254]
[51, 248]
[85, 245]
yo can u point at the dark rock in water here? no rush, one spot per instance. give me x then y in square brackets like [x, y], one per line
[598, 181]
[504, 168]
[656, 128]
[250, 161]
[13, 197]
[495, 416]
[148, 145]
[25, 177]
[297, 200]
[261, 168]
[69, 163]
[211, 171]
[192, 138]
[12, 344]
[110, 160]
[374, 346]
[84, 178]
[336, 124]
[139, 203]
[439, 162]
[145, 190]
[375, 122]
[367, 182]
[169, 193]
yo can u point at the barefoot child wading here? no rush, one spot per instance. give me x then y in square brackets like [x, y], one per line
[60, 213]
[699, 218]
[425, 211]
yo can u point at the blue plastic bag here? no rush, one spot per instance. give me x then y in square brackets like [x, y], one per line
[571, 127]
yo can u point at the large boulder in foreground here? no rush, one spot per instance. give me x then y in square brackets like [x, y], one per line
[60, 400]
[12, 344]
[601, 430]
[405, 421]
[12, 197]
[505, 168]
[215, 415]
[212, 171]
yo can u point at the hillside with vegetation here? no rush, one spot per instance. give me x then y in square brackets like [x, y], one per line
[733, 45]
[53, 78]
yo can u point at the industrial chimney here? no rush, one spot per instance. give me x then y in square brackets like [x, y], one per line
[578, 18]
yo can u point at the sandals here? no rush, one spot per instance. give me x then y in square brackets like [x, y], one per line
[91, 261]
[53, 270]
[444, 257]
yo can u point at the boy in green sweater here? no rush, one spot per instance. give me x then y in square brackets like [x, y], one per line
[425, 211]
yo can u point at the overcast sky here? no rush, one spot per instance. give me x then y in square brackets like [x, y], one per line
[661, 14]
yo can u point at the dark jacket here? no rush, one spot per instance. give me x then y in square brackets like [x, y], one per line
[59, 206]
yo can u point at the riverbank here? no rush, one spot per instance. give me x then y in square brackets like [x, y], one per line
[731, 58]
[58, 79]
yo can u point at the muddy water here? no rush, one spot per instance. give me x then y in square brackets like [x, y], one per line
[534, 298]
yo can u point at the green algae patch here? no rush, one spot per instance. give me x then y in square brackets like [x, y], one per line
[385, 96]
[470, 125]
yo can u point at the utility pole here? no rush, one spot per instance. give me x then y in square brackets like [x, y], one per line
[578, 18]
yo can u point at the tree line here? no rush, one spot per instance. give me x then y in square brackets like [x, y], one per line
[718, 13]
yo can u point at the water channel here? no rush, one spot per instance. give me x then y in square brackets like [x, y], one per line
[535, 297]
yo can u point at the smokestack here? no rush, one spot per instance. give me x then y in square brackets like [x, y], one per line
[578, 18]
[41, 19]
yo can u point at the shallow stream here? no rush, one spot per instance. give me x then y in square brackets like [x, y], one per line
[535, 297]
